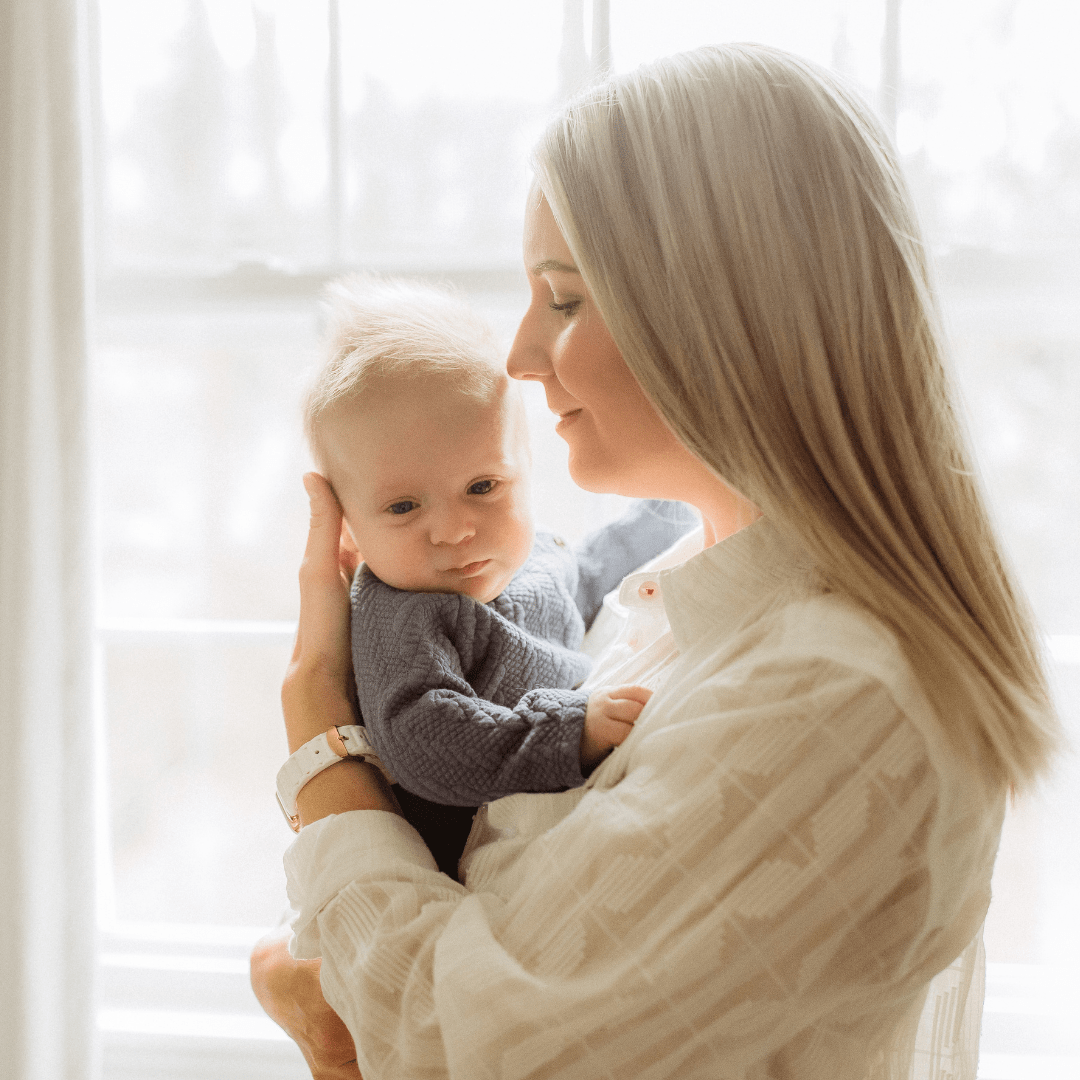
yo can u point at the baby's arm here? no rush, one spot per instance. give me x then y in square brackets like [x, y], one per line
[606, 556]
[457, 749]
[609, 717]
[416, 658]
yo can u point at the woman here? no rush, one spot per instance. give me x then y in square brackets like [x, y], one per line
[788, 861]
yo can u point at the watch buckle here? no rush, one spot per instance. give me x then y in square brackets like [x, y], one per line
[337, 743]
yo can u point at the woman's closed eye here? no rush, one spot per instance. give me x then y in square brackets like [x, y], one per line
[482, 487]
[567, 307]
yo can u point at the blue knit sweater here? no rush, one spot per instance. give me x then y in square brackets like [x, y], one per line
[466, 702]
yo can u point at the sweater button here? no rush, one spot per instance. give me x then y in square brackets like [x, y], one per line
[648, 590]
[559, 540]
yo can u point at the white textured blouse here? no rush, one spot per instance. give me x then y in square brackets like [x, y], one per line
[782, 873]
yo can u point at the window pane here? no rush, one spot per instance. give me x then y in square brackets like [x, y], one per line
[195, 741]
[215, 134]
[200, 458]
[989, 121]
[842, 34]
[217, 130]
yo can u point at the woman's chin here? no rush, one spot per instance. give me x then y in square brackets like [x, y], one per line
[597, 476]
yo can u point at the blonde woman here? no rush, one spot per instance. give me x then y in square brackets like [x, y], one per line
[784, 870]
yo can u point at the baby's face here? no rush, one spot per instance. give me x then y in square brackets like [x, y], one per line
[434, 485]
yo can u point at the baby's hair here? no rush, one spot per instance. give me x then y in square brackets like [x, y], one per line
[385, 327]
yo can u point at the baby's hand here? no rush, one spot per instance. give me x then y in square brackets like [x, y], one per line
[609, 716]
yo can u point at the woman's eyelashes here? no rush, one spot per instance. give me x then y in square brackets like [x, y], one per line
[567, 307]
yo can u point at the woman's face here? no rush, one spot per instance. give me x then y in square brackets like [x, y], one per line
[617, 441]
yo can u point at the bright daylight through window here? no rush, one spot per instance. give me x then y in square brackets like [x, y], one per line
[249, 150]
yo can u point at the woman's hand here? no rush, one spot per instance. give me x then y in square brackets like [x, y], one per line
[290, 993]
[318, 690]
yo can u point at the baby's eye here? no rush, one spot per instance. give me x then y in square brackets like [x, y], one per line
[481, 487]
[403, 507]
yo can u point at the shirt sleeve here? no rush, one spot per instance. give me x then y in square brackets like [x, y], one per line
[607, 555]
[756, 888]
[436, 735]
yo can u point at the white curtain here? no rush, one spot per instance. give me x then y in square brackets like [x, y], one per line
[46, 576]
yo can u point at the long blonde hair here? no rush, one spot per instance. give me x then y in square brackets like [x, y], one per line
[739, 216]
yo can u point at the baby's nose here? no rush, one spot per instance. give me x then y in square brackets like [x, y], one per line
[452, 528]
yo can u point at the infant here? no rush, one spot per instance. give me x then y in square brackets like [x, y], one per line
[466, 622]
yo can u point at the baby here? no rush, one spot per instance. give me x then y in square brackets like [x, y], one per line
[465, 621]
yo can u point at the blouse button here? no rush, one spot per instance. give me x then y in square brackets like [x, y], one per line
[648, 590]
[634, 641]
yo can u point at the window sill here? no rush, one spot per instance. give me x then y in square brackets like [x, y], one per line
[177, 1005]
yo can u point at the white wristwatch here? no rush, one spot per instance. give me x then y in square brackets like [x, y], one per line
[348, 741]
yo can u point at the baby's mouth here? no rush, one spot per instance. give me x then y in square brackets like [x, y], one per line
[470, 569]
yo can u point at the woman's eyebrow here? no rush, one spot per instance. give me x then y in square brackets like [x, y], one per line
[549, 265]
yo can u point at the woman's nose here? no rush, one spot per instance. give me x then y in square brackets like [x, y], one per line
[528, 357]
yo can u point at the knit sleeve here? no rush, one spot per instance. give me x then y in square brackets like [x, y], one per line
[607, 555]
[437, 736]
[753, 888]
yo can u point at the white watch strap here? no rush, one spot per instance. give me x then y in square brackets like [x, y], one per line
[318, 754]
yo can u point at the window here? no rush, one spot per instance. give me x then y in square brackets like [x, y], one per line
[250, 150]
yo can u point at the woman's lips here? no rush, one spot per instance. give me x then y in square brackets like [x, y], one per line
[567, 418]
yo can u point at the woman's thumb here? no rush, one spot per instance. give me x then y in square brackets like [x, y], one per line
[324, 530]
[315, 486]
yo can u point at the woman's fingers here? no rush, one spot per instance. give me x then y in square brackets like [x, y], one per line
[324, 596]
[318, 687]
[319, 573]
[324, 527]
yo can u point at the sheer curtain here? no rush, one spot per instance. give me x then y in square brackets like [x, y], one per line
[46, 580]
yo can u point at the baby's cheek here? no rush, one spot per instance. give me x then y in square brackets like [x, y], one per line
[525, 536]
[397, 565]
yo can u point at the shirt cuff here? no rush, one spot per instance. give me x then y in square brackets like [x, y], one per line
[331, 853]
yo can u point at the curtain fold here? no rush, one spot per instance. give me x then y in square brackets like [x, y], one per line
[47, 924]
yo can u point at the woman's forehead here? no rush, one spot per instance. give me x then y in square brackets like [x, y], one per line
[545, 247]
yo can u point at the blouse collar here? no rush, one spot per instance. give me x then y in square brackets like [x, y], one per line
[717, 590]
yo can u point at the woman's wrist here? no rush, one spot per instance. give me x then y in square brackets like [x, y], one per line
[345, 786]
[311, 707]
[316, 694]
